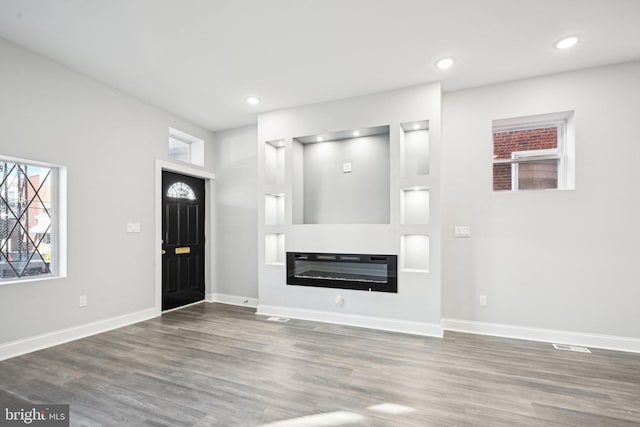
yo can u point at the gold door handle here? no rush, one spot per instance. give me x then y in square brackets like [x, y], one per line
[164, 252]
[183, 250]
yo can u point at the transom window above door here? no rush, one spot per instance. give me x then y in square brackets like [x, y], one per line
[185, 148]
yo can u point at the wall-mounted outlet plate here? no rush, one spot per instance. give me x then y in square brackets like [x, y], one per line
[483, 300]
[82, 301]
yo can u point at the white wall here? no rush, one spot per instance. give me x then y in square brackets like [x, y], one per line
[109, 142]
[236, 212]
[565, 260]
[418, 298]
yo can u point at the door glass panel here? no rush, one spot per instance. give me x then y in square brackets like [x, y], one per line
[180, 190]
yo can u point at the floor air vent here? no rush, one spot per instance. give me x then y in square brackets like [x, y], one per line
[277, 319]
[571, 348]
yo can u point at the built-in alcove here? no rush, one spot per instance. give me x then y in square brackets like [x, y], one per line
[274, 162]
[369, 191]
[274, 209]
[415, 253]
[342, 177]
[414, 148]
[414, 205]
[274, 251]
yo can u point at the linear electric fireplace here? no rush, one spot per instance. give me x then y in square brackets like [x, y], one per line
[363, 272]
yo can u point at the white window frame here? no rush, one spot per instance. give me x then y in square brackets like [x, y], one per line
[195, 146]
[58, 266]
[564, 151]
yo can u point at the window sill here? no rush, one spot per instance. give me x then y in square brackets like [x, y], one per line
[543, 190]
[29, 280]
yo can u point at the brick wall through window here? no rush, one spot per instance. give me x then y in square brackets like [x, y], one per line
[507, 142]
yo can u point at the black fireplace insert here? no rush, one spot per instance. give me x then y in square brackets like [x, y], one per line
[363, 272]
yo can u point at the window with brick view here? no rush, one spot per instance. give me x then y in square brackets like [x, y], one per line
[530, 156]
[531, 175]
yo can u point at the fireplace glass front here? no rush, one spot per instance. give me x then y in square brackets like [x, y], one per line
[347, 271]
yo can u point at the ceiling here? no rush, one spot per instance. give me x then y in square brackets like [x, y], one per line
[200, 59]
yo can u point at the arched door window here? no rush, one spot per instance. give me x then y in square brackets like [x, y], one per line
[180, 190]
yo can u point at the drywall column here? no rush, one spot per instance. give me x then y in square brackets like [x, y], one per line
[416, 306]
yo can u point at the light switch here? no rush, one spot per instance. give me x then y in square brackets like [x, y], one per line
[462, 231]
[133, 227]
[346, 167]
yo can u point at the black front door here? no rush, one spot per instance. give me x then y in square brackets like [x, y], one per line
[183, 240]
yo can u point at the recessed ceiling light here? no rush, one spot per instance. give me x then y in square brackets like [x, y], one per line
[253, 100]
[319, 139]
[280, 143]
[416, 126]
[356, 133]
[567, 42]
[444, 63]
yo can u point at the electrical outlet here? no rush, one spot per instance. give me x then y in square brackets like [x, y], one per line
[339, 300]
[462, 231]
[133, 227]
[483, 300]
[82, 301]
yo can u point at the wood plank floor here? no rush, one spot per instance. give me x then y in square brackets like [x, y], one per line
[218, 365]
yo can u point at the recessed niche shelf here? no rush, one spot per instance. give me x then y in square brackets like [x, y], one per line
[415, 253]
[414, 205]
[342, 177]
[274, 209]
[274, 251]
[414, 148]
[274, 162]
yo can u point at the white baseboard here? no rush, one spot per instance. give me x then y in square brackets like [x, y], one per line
[393, 325]
[607, 342]
[233, 300]
[38, 342]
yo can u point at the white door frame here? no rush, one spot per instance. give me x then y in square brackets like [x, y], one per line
[209, 275]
